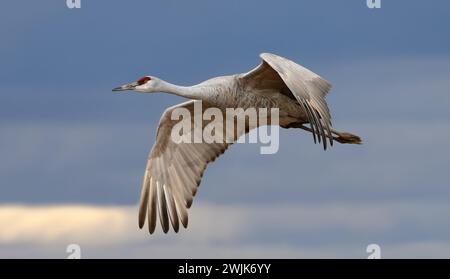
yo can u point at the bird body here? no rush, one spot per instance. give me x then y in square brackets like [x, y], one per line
[233, 92]
[174, 169]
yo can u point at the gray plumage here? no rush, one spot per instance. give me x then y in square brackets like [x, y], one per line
[174, 170]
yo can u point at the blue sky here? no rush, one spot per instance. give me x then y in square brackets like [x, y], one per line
[67, 139]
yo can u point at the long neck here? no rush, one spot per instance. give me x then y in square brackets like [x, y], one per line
[196, 92]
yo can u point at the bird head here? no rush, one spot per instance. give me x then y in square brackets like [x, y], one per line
[146, 84]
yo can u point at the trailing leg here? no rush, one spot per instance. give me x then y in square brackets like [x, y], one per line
[341, 137]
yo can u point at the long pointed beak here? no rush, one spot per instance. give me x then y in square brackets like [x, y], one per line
[129, 86]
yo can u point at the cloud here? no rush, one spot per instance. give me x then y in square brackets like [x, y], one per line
[398, 106]
[65, 139]
[65, 162]
[322, 230]
[48, 224]
[300, 202]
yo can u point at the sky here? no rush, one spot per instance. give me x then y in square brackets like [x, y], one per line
[73, 152]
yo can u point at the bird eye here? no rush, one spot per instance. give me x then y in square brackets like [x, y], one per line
[143, 80]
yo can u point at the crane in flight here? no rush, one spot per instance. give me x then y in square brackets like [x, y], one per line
[174, 170]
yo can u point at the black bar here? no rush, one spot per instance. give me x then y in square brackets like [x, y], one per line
[239, 268]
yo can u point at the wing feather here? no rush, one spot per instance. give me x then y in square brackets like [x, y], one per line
[152, 206]
[298, 83]
[174, 172]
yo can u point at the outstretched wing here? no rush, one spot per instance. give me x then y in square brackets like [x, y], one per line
[295, 81]
[174, 170]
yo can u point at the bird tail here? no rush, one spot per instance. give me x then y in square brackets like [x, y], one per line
[345, 137]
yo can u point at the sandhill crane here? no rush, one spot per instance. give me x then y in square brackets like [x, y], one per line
[174, 170]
